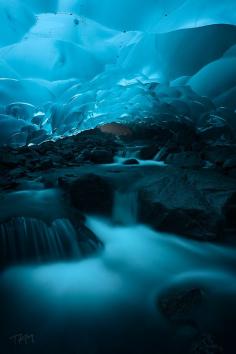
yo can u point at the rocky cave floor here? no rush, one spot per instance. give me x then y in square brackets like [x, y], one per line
[184, 175]
[184, 178]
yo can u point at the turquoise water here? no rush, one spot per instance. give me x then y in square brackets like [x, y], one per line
[110, 300]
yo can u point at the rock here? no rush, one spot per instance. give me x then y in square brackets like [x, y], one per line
[232, 173]
[96, 145]
[197, 109]
[87, 240]
[211, 120]
[45, 147]
[37, 136]
[230, 163]
[208, 104]
[68, 155]
[185, 159]
[8, 184]
[206, 344]
[183, 132]
[46, 164]
[10, 158]
[186, 202]
[99, 156]
[218, 154]
[229, 115]
[180, 305]
[216, 134]
[49, 181]
[17, 172]
[163, 130]
[150, 130]
[190, 223]
[230, 210]
[64, 182]
[131, 162]
[148, 152]
[215, 129]
[92, 194]
[181, 107]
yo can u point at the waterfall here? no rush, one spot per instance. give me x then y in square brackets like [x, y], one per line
[125, 208]
[27, 239]
[130, 151]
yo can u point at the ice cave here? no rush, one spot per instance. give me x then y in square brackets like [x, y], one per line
[118, 176]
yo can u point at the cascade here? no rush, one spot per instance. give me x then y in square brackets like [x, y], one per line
[28, 239]
[125, 208]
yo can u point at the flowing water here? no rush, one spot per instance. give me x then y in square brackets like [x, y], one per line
[120, 161]
[108, 303]
[125, 208]
[24, 238]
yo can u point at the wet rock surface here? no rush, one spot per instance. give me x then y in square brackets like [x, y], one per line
[183, 309]
[188, 202]
[92, 194]
[91, 147]
[179, 306]
[192, 195]
[206, 344]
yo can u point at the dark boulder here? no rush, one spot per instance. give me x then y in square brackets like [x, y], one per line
[230, 163]
[232, 172]
[218, 154]
[187, 159]
[215, 129]
[92, 194]
[186, 202]
[148, 152]
[183, 132]
[214, 134]
[45, 164]
[37, 136]
[229, 115]
[180, 305]
[230, 211]
[131, 162]
[206, 344]
[10, 158]
[99, 156]
[173, 133]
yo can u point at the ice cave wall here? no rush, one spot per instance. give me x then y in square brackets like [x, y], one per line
[67, 65]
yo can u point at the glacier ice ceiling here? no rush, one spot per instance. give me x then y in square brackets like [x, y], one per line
[69, 65]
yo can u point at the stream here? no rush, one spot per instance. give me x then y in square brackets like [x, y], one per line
[109, 302]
